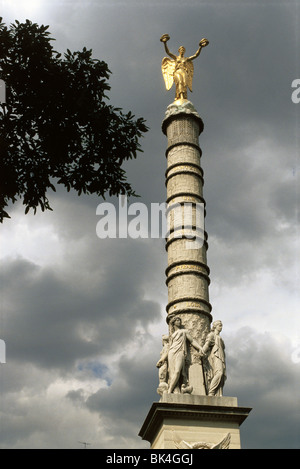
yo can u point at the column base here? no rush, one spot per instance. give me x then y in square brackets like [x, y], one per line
[180, 421]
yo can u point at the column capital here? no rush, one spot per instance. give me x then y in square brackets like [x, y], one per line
[180, 108]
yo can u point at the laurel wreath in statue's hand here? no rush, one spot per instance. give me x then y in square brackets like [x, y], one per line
[165, 38]
[204, 42]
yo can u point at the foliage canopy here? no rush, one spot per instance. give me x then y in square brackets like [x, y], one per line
[56, 126]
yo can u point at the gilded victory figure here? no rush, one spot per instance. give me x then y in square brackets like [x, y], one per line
[179, 69]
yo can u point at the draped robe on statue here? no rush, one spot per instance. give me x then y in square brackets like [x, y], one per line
[176, 356]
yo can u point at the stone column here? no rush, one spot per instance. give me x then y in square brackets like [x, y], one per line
[185, 416]
[187, 272]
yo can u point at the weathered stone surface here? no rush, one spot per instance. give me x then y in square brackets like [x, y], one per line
[186, 244]
[178, 418]
[185, 107]
[192, 412]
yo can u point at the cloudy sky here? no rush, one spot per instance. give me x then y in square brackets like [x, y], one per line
[82, 317]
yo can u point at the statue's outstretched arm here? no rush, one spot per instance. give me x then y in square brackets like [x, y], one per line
[203, 43]
[208, 343]
[162, 359]
[168, 52]
[164, 39]
[194, 343]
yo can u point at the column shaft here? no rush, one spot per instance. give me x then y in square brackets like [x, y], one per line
[187, 272]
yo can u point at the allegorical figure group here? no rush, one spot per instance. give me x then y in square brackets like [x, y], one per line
[174, 366]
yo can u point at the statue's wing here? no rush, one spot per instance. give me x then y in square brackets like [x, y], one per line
[168, 68]
[190, 73]
[223, 444]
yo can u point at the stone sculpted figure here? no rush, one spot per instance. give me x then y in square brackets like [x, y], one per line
[215, 349]
[163, 369]
[175, 354]
[179, 69]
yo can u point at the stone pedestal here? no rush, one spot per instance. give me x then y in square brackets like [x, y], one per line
[180, 420]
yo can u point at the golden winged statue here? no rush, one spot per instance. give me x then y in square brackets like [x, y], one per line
[179, 69]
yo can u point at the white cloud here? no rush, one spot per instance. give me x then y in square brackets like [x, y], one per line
[32, 238]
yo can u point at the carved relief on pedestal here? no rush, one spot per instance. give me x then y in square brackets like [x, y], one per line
[223, 444]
